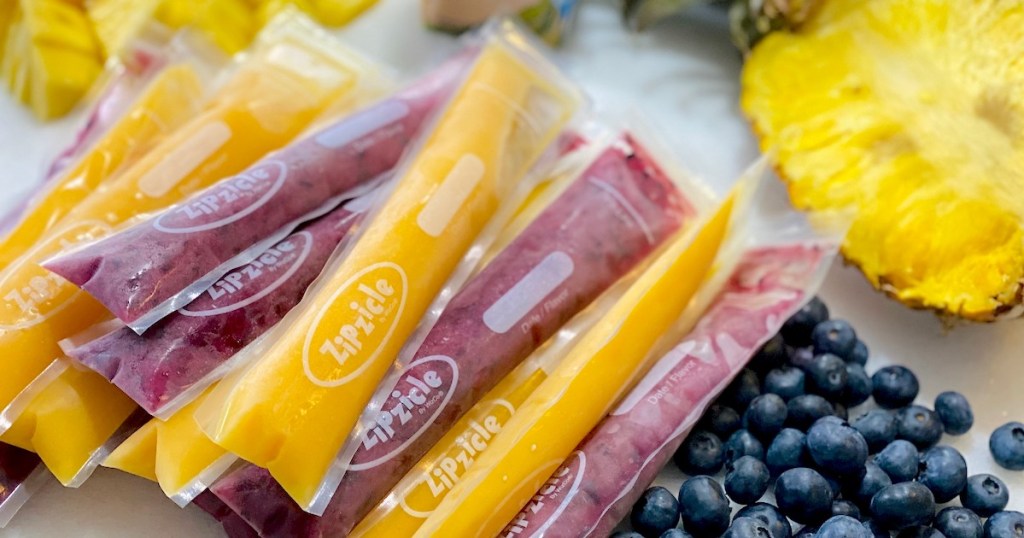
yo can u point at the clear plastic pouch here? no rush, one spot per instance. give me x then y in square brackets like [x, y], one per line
[292, 409]
[780, 269]
[73, 422]
[602, 365]
[264, 103]
[231, 222]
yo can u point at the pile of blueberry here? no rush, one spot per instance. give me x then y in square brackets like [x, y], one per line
[784, 420]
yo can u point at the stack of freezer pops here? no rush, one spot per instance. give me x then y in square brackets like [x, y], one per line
[315, 306]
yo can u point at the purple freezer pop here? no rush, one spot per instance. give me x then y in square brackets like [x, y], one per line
[151, 269]
[181, 354]
[234, 525]
[602, 479]
[608, 219]
[16, 466]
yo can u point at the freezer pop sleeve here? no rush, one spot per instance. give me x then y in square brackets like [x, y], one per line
[602, 366]
[611, 217]
[263, 105]
[137, 273]
[21, 472]
[597, 485]
[69, 422]
[234, 525]
[184, 353]
[172, 98]
[292, 409]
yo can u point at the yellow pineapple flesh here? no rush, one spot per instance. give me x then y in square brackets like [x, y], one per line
[912, 113]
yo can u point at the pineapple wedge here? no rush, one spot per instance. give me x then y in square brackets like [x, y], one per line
[912, 113]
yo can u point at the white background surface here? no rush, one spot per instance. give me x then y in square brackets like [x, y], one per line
[683, 77]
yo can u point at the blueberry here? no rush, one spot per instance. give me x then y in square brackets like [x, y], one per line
[1007, 446]
[777, 523]
[804, 496]
[955, 412]
[826, 376]
[746, 480]
[742, 390]
[748, 527]
[843, 507]
[834, 336]
[919, 425]
[721, 421]
[655, 512]
[944, 471]
[858, 385]
[859, 355]
[837, 448]
[797, 329]
[878, 427]
[899, 460]
[985, 494]
[874, 480]
[801, 357]
[903, 505]
[842, 527]
[875, 531]
[1008, 524]
[675, 533]
[765, 416]
[956, 522]
[771, 355]
[788, 382]
[742, 443]
[919, 531]
[787, 451]
[626, 534]
[703, 506]
[701, 453]
[894, 387]
[803, 411]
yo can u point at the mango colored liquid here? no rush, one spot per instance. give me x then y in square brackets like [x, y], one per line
[262, 107]
[173, 453]
[292, 411]
[69, 420]
[172, 98]
[596, 372]
[421, 490]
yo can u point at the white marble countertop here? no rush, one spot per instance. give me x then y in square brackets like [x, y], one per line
[683, 76]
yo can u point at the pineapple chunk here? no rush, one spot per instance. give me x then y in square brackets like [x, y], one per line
[231, 24]
[912, 113]
[116, 22]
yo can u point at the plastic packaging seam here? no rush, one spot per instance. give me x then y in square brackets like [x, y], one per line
[194, 290]
[24, 398]
[129, 426]
[203, 480]
[36, 480]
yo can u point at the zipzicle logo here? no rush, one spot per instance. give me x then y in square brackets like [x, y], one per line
[29, 294]
[357, 321]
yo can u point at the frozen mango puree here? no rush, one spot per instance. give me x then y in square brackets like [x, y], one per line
[173, 97]
[292, 410]
[286, 83]
[604, 364]
[69, 421]
[174, 453]
[423, 488]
